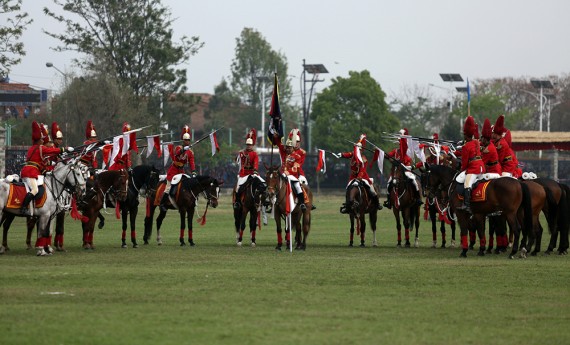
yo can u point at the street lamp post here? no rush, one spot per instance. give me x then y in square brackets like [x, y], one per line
[541, 84]
[263, 80]
[315, 70]
[51, 65]
[451, 78]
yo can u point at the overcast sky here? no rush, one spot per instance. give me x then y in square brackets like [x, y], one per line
[402, 43]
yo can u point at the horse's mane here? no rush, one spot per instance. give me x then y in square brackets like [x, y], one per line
[445, 172]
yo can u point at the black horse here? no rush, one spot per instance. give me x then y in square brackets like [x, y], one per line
[254, 190]
[184, 194]
[142, 181]
[358, 204]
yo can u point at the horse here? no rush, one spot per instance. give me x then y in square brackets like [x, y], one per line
[64, 180]
[277, 186]
[503, 195]
[358, 204]
[539, 203]
[434, 209]
[558, 197]
[405, 202]
[141, 177]
[108, 186]
[253, 195]
[184, 194]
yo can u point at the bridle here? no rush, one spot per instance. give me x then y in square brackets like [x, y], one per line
[206, 191]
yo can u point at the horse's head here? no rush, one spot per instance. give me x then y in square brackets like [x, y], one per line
[272, 180]
[259, 190]
[152, 180]
[437, 180]
[71, 175]
[353, 196]
[208, 186]
[121, 184]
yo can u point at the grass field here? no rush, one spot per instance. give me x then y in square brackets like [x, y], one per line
[218, 293]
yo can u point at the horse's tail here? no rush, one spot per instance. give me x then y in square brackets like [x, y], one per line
[563, 219]
[552, 209]
[527, 208]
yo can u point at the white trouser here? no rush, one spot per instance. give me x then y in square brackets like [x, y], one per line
[504, 173]
[469, 180]
[168, 186]
[295, 183]
[412, 177]
[32, 183]
[303, 179]
[371, 188]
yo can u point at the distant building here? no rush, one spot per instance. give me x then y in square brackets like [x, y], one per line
[18, 100]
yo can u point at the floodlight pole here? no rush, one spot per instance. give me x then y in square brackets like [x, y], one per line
[263, 80]
[66, 85]
[307, 104]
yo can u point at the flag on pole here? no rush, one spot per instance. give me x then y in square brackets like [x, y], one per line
[276, 122]
[322, 164]
[153, 142]
[167, 149]
[214, 142]
[116, 153]
[106, 151]
[379, 158]
[357, 155]
[289, 201]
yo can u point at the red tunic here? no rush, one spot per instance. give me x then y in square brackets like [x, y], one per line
[302, 155]
[357, 169]
[395, 153]
[249, 162]
[89, 158]
[471, 158]
[180, 159]
[122, 163]
[506, 157]
[37, 159]
[491, 159]
[290, 163]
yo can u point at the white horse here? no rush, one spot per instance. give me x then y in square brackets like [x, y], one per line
[66, 179]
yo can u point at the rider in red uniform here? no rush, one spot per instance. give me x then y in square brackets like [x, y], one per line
[291, 163]
[125, 161]
[248, 161]
[358, 167]
[37, 158]
[182, 155]
[471, 161]
[89, 158]
[508, 164]
[489, 151]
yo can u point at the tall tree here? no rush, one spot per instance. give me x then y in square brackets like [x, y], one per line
[14, 23]
[255, 61]
[348, 107]
[133, 37]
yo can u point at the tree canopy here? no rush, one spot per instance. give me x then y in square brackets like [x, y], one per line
[348, 107]
[132, 37]
[14, 23]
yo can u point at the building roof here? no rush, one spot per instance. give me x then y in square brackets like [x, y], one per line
[535, 140]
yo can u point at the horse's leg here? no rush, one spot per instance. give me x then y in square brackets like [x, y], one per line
[433, 219]
[59, 231]
[124, 214]
[373, 219]
[43, 236]
[351, 230]
[306, 227]
[464, 230]
[190, 216]
[443, 234]
[149, 215]
[416, 224]
[515, 230]
[480, 224]
[398, 225]
[278, 229]
[491, 235]
[182, 214]
[237, 225]
[538, 240]
[133, 211]
[159, 219]
[453, 227]
[406, 216]
[101, 220]
[252, 225]
[7, 220]
[362, 229]
[30, 225]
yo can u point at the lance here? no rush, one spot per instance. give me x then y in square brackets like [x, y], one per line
[392, 159]
[194, 143]
[364, 148]
[398, 136]
[332, 153]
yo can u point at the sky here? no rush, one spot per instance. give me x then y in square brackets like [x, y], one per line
[404, 43]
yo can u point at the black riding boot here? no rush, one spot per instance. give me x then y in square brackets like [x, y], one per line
[388, 202]
[466, 200]
[301, 201]
[163, 202]
[27, 199]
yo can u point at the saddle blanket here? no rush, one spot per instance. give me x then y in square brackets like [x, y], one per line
[160, 191]
[478, 193]
[18, 193]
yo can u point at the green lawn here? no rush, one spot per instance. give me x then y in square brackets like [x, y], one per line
[218, 293]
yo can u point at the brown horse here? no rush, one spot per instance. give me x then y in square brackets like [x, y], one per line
[358, 204]
[503, 195]
[557, 213]
[404, 202]
[539, 204]
[108, 186]
[185, 194]
[436, 210]
[277, 195]
[254, 190]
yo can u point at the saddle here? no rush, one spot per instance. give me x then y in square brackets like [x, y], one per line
[18, 192]
[478, 191]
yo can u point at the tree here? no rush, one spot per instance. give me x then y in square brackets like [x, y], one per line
[255, 60]
[132, 37]
[348, 107]
[11, 48]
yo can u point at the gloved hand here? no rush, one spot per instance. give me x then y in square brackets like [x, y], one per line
[186, 148]
[193, 174]
[107, 142]
[337, 155]
[70, 149]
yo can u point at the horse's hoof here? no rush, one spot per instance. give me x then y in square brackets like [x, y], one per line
[252, 244]
[362, 245]
[463, 255]
[407, 245]
[350, 244]
[191, 243]
[511, 256]
[278, 248]
[145, 242]
[489, 251]
[452, 243]
[417, 243]
[433, 244]
[41, 252]
[399, 245]
[374, 244]
[547, 253]
[101, 224]
[135, 245]
[124, 245]
[159, 243]
[239, 243]
[563, 252]
[481, 253]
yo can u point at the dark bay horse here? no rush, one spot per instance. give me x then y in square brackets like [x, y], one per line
[277, 186]
[438, 211]
[404, 202]
[253, 196]
[185, 195]
[557, 214]
[141, 178]
[503, 195]
[108, 186]
[539, 203]
[358, 204]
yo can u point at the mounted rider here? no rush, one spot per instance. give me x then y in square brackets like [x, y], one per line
[89, 159]
[182, 155]
[489, 151]
[248, 161]
[507, 159]
[292, 162]
[471, 162]
[358, 165]
[124, 160]
[401, 154]
[37, 158]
